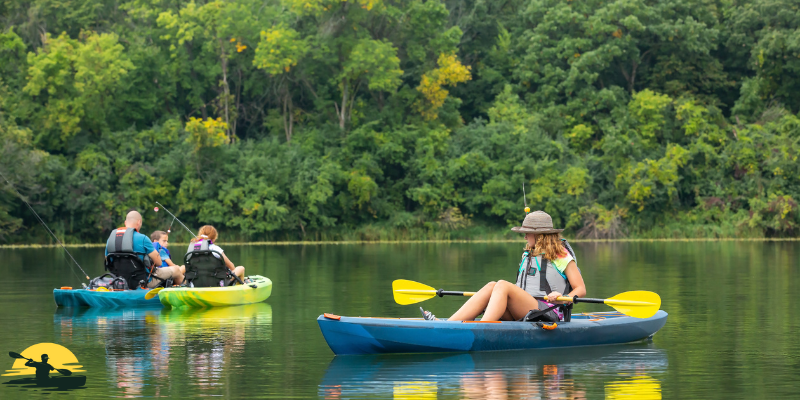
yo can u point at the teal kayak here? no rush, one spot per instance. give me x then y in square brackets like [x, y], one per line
[357, 335]
[103, 299]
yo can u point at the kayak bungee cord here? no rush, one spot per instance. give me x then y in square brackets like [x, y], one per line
[175, 219]
[45, 225]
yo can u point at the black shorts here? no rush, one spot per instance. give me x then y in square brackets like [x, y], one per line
[549, 316]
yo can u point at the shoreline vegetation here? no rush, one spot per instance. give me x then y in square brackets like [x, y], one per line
[350, 120]
[354, 242]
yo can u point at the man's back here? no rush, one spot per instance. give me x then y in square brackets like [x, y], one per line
[141, 243]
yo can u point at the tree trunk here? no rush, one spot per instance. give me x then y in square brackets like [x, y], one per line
[288, 115]
[225, 89]
[342, 111]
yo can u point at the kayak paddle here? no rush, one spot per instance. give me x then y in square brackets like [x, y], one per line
[61, 371]
[152, 293]
[637, 304]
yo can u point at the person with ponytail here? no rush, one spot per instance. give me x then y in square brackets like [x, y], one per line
[548, 270]
[208, 232]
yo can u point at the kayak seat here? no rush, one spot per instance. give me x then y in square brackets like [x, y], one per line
[204, 269]
[541, 315]
[131, 268]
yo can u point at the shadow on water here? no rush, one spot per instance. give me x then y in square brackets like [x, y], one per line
[144, 348]
[629, 371]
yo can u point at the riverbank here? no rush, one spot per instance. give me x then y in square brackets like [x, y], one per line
[352, 242]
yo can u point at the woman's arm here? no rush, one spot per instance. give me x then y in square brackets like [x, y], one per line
[575, 280]
[228, 262]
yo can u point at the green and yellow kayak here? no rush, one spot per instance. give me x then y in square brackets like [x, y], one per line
[257, 290]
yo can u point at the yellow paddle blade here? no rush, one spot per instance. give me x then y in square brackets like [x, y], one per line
[410, 292]
[153, 293]
[637, 304]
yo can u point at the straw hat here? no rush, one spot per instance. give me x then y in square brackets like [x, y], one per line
[537, 222]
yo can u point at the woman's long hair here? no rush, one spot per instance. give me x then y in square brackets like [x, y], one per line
[548, 244]
[206, 232]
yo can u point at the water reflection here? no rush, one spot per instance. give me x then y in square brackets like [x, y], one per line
[213, 337]
[642, 387]
[537, 374]
[145, 348]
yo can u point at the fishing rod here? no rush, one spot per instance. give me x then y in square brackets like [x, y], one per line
[175, 219]
[45, 225]
[524, 199]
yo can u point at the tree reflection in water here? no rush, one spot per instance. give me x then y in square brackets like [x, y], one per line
[146, 349]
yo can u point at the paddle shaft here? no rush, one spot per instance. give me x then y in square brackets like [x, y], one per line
[574, 299]
[17, 355]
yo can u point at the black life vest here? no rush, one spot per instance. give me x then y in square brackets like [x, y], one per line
[205, 267]
[123, 262]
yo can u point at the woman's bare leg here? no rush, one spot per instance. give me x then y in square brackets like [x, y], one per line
[239, 271]
[475, 305]
[508, 297]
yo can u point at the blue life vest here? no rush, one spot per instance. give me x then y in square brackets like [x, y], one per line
[159, 247]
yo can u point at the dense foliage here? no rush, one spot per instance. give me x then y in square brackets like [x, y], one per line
[378, 119]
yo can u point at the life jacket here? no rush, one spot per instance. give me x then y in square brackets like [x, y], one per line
[123, 262]
[548, 280]
[205, 267]
[158, 248]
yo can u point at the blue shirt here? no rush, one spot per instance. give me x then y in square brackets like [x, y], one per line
[141, 244]
[163, 252]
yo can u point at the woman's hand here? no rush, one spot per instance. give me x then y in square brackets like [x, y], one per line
[551, 298]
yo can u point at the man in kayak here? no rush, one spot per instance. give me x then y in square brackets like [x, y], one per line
[160, 243]
[548, 270]
[42, 368]
[142, 247]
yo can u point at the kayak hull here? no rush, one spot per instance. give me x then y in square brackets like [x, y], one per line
[60, 382]
[109, 299]
[356, 335]
[257, 291]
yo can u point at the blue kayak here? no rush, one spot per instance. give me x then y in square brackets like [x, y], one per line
[357, 335]
[104, 299]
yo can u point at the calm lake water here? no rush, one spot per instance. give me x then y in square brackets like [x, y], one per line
[732, 330]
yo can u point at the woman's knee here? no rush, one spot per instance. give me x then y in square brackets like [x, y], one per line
[490, 285]
[503, 285]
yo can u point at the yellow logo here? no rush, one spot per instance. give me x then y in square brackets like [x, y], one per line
[52, 365]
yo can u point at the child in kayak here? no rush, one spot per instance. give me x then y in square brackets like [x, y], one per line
[545, 253]
[161, 242]
[210, 233]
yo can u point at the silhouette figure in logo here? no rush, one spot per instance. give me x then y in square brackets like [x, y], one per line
[43, 378]
[42, 368]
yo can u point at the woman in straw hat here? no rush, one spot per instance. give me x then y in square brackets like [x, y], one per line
[547, 270]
